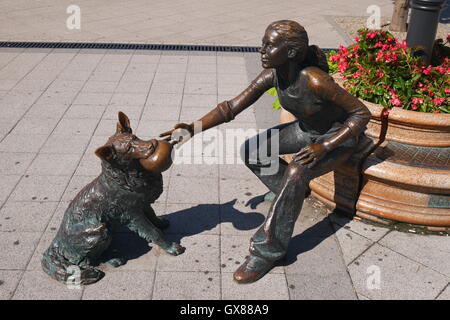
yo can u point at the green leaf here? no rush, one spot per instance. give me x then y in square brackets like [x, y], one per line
[276, 104]
[272, 92]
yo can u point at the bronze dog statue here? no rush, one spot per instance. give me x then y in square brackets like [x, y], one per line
[122, 194]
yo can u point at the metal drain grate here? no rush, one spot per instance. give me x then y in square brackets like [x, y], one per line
[128, 46]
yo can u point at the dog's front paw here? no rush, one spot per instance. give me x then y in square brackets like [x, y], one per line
[175, 249]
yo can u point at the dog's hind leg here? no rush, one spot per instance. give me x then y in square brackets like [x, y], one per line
[145, 229]
[60, 269]
[160, 223]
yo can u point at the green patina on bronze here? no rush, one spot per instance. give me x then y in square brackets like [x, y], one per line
[439, 201]
[120, 196]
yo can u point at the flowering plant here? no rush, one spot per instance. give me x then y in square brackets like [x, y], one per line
[380, 69]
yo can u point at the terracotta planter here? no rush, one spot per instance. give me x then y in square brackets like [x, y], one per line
[407, 179]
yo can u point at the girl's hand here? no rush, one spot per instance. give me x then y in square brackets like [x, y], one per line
[181, 132]
[312, 153]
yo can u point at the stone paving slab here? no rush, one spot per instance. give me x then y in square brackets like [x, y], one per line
[399, 276]
[178, 22]
[213, 209]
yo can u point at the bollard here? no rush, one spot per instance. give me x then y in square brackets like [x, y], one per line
[423, 25]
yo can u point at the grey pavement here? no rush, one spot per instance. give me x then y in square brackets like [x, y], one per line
[214, 22]
[59, 105]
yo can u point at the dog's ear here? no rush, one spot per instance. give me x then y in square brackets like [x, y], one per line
[123, 126]
[104, 153]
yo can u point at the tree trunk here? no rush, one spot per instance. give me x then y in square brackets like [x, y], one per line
[399, 16]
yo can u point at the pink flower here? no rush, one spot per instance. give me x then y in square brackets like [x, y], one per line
[447, 91]
[334, 58]
[379, 74]
[396, 102]
[414, 107]
[448, 37]
[438, 101]
[441, 69]
[342, 66]
[417, 100]
[427, 71]
[378, 44]
[371, 34]
[356, 39]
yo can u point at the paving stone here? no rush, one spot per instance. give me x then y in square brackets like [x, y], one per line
[7, 184]
[9, 280]
[92, 98]
[270, 287]
[239, 219]
[40, 188]
[36, 285]
[93, 86]
[352, 244]
[138, 253]
[75, 185]
[445, 295]
[73, 144]
[204, 101]
[36, 126]
[400, 278]
[133, 87]
[164, 100]
[78, 111]
[201, 88]
[196, 170]
[187, 286]
[368, 231]
[202, 254]
[432, 251]
[26, 216]
[16, 249]
[204, 190]
[152, 128]
[167, 87]
[161, 112]
[76, 127]
[66, 85]
[22, 143]
[315, 255]
[136, 285]
[138, 76]
[56, 98]
[15, 163]
[42, 246]
[181, 216]
[54, 164]
[45, 111]
[313, 286]
[128, 99]
[201, 77]
[241, 190]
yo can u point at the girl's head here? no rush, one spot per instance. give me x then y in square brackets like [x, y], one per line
[287, 39]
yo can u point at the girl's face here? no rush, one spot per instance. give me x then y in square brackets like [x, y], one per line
[274, 50]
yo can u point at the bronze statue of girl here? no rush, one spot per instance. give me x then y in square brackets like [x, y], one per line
[330, 123]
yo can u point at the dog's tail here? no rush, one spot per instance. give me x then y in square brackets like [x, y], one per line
[60, 269]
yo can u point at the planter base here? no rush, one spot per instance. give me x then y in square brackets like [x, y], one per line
[400, 182]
